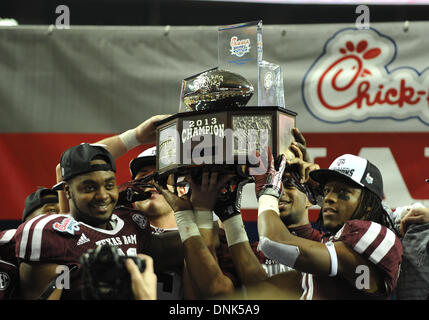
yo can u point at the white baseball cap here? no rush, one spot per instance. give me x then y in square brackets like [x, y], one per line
[355, 169]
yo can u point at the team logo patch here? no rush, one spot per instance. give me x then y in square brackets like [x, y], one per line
[341, 162]
[4, 281]
[83, 239]
[369, 179]
[68, 225]
[140, 220]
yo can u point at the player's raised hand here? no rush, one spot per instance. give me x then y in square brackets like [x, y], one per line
[301, 143]
[176, 203]
[268, 181]
[146, 131]
[204, 195]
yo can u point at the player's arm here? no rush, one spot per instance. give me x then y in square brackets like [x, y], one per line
[313, 257]
[277, 243]
[248, 267]
[62, 199]
[204, 271]
[246, 263]
[145, 133]
[35, 278]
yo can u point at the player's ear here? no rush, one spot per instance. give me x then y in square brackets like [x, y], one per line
[67, 190]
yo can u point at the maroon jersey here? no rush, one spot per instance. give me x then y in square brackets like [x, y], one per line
[374, 242]
[62, 240]
[170, 282]
[8, 265]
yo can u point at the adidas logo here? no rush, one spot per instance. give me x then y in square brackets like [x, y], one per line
[83, 239]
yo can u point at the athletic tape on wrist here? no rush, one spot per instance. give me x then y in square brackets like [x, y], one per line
[204, 219]
[186, 224]
[284, 253]
[334, 258]
[235, 231]
[129, 139]
[266, 203]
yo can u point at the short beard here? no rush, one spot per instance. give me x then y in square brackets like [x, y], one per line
[86, 218]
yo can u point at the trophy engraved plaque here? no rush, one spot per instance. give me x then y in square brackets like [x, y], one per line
[222, 139]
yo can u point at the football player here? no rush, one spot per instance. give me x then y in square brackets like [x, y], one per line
[49, 247]
[158, 212]
[161, 219]
[235, 262]
[42, 201]
[172, 284]
[154, 205]
[199, 241]
[358, 258]
[194, 216]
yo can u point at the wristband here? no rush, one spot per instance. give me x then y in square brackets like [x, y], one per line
[334, 259]
[204, 219]
[268, 203]
[185, 221]
[235, 231]
[129, 139]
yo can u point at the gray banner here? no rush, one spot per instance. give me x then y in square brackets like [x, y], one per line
[109, 79]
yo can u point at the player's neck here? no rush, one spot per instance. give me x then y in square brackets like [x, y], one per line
[303, 221]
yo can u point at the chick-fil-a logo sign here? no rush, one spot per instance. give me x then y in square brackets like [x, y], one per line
[351, 81]
[239, 47]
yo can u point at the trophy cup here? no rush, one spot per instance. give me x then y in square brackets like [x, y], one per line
[214, 127]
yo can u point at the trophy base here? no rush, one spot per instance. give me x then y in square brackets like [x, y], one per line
[223, 140]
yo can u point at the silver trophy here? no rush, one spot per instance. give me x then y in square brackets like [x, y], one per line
[229, 113]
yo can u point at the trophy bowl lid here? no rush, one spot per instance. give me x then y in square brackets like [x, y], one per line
[214, 89]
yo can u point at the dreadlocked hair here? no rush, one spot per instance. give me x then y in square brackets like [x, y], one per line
[377, 213]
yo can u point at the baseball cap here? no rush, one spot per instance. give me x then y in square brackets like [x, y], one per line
[355, 169]
[34, 200]
[146, 157]
[77, 160]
